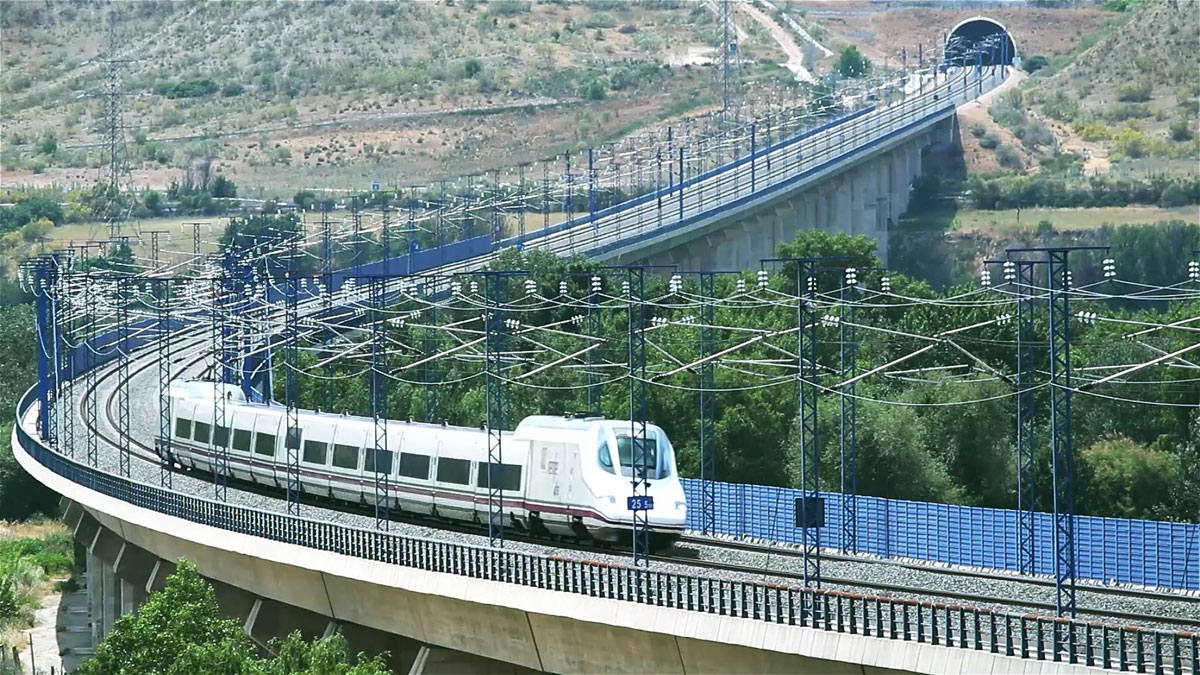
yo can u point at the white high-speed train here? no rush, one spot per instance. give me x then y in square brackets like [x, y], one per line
[567, 476]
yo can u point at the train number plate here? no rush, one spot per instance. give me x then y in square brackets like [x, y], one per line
[641, 503]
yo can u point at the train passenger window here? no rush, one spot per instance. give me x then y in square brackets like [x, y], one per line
[606, 457]
[241, 440]
[369, 455]
[200, 431]
[414, 466]
[450, 470]
[183, 427]
[345, 456]
[264, 444]
[504, 476]
[316, 452]
[220, 436]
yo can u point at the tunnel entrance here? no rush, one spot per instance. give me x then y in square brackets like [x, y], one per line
[979, 40]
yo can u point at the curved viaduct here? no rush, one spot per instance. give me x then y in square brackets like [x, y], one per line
[441, 605]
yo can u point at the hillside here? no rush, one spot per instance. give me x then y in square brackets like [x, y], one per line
[293, 94]
[1124, 101]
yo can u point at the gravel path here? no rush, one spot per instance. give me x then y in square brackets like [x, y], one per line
[144, 425]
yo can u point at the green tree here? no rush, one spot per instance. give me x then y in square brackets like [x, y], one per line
[1125, 479]
[181, 618]
[1035, 63]
[152, 200]
[223, 188]
[36, 230]
[852, 63]
[179, 631]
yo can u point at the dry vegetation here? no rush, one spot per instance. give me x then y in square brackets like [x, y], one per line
[338, 93]
[1133, 92]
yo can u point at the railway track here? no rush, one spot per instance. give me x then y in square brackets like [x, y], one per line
[690, 558]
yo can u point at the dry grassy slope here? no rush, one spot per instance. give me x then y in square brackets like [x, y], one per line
[1155, 46]
[881, 33]
[363, 63]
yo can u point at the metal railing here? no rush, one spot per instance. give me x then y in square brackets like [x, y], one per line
[1024, 636]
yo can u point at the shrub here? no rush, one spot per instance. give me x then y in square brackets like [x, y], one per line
[508, 7]
[1094, 131]
[1172, 196]
[1008, 157]
[1034, 134]
[471, 67]
[1131, 143]
[851, 63]
[1128, 111]
[1181, 131]
[232, 89]
[1135, 92]
[600, 20]
[990, 141]
[628, 29]
[595, 91]
[1035, 63]
[978, 129]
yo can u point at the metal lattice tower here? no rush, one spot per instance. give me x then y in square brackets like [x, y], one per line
[708, 408]
[90, 420]
[327, 295]
[220, 310]
[291, 395]
[497, 400]
[43, 276]
[123, 288]
[849, 414]
[431, 347]
[810, 453]
[163, 319]
[1062, 440]
[638, 414]
[381, 464]
[116, 170]
[66, 330]
[730, 63]
[1026, 404]
[595, 379]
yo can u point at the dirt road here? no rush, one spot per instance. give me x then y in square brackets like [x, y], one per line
[795, 62]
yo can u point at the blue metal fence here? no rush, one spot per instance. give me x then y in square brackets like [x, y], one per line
[1143, 552]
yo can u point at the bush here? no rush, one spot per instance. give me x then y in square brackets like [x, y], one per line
[1173, 196]
[595, 91]
[232, 89]
[851, 63]
[990, 141]
[1135, 92]
[508, 7]
[978, 129]
[1034, 134]
[1035, 63]
[187, 88]
[1094, 131]
[471, 67]
[1181, 131]
[1008, 157]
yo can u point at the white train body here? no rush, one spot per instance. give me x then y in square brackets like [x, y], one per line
[560, 473]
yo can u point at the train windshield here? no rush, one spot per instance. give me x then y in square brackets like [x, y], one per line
[653, 453]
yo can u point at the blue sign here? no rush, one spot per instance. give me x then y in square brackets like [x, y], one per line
[414, 246]
[641, 503]
[375, 186]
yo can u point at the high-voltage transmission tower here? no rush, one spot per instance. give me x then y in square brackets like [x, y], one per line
[730, 58]
[115, 171]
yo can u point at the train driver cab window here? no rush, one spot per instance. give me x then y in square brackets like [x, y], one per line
[345, 456]
[316, 452]
[450, 470]
[241, 440]
[200, 431]
[635, 453]
[264, 444]
[183, 427]
[606, 457]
